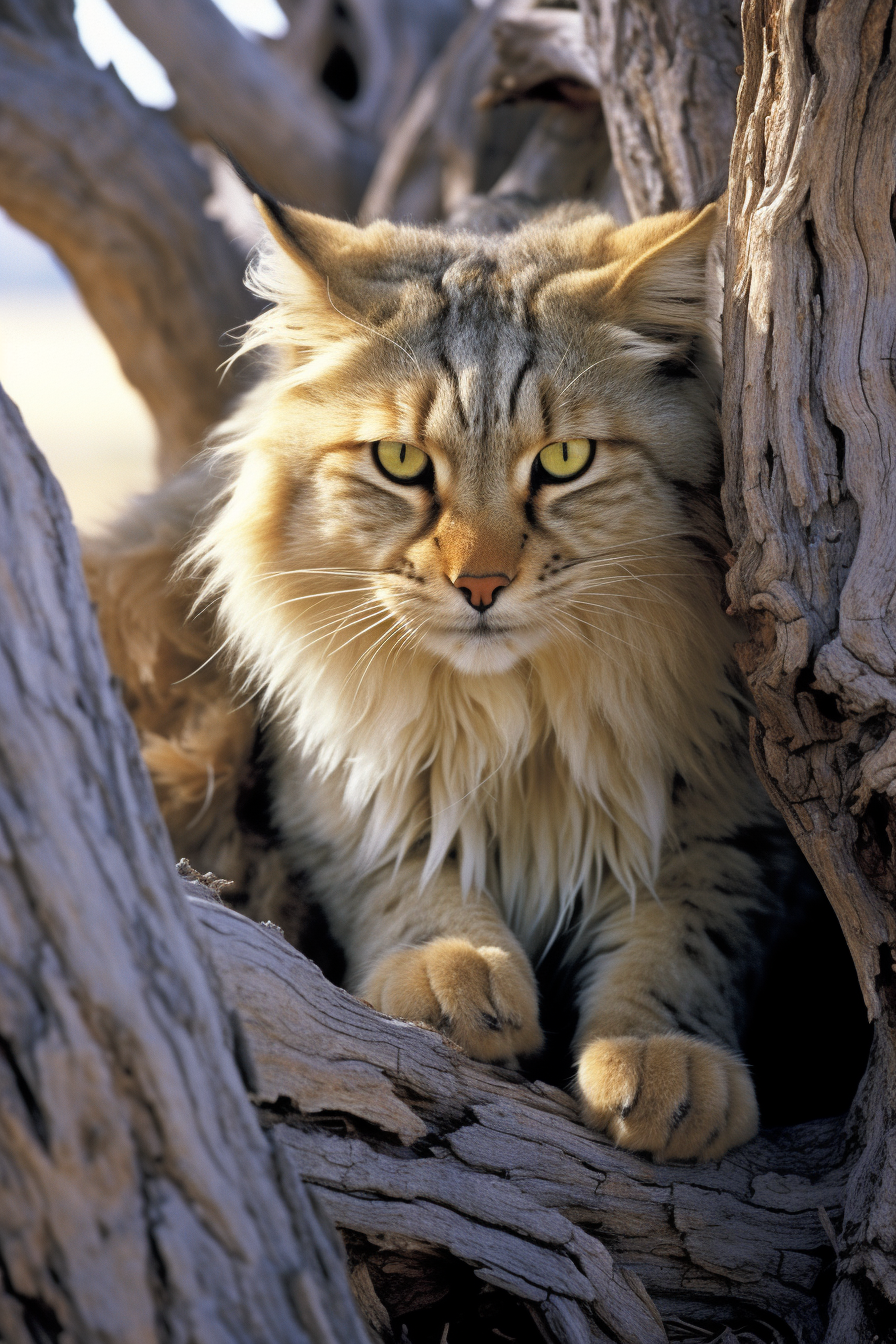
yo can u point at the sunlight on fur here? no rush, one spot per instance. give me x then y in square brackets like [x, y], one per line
[463, 543]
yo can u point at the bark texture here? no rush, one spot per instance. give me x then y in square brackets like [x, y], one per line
[439, 1155]
[139, 1200]
[668, 75]
[810, 419]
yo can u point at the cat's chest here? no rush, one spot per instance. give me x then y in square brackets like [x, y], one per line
[523, 818]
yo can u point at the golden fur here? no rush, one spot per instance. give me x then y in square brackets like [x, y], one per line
[462, 784]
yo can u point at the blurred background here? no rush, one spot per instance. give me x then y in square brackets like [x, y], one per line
[55, 363]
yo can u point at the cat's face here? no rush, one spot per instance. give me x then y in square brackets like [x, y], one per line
[489, 446]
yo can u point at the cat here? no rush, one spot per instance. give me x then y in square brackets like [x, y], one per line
[463, 540]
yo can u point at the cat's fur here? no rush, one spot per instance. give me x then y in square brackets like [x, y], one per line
[463, 785]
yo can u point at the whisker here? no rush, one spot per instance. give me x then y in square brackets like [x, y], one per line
[596, 363]
[343, 622]
[577, 634]
[617, 611]
[220, 649]
[344, 573]
[359, 633]
[367, 655]
[311, 642]
[601, 631]
[405, 349]
[562, 359]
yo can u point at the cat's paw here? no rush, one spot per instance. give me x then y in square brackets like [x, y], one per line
[484, 998]
[672, 1096]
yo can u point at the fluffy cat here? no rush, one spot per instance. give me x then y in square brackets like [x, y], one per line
[468, 553]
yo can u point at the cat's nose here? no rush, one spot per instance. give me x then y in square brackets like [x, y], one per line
[481, 588]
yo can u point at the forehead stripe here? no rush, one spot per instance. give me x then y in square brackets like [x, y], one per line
[518, 381]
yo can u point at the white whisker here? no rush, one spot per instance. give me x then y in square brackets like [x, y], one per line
[405, 349]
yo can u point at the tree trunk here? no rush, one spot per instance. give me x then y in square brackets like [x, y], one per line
[139, 1200]
[668, 72]
[810, 421]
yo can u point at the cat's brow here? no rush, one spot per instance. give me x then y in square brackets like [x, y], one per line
[524, 368]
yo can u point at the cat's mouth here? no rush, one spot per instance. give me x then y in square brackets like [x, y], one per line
[483, 647]
[481, 631]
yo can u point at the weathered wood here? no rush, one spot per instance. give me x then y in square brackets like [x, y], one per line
[436, 162]
[810, 421]
[567, 154]
[565, 157]
[139, 1200]
[433, 158]
[116, 194]
[668, 75]
[275, 119]
[387, 45]
[543, 46]
[449, 1155]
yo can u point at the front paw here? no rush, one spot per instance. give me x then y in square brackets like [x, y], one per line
[672, 1096]
[484, 998]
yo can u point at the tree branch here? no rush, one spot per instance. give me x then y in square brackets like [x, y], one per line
[277, 121]
[436, 1152]
[117, 195]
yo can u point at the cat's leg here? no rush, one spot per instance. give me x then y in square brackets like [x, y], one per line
[433, 955]
[661, 1005]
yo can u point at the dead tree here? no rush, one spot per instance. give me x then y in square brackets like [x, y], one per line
[453, 1182]
[139, 1199]
[810, 420]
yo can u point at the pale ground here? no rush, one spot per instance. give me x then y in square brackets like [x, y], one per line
[93, 428]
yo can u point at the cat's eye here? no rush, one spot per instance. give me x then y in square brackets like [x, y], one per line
[566, 458]
[401, 461]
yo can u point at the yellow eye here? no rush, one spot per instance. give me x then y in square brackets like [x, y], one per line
[402, 461]
[563, 460]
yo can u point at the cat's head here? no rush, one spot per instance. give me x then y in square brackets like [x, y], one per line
[486, 444]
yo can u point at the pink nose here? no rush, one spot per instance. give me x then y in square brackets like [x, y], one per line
[481, 588]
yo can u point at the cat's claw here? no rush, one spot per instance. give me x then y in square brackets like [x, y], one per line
[672, 1096]
[483, 998]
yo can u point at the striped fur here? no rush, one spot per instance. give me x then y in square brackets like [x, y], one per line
[465, 784]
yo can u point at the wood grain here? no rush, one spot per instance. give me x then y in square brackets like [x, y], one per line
[139, 1199]
[668, 75]
[442, 1154]
[810, 425]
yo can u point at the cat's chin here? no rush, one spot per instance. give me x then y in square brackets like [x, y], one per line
[483, 653]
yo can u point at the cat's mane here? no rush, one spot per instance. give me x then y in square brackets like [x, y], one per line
[455, 759]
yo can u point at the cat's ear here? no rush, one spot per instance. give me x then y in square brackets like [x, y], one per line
[330, 253]
[336, 261]
[337, 277]
[666, 289]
